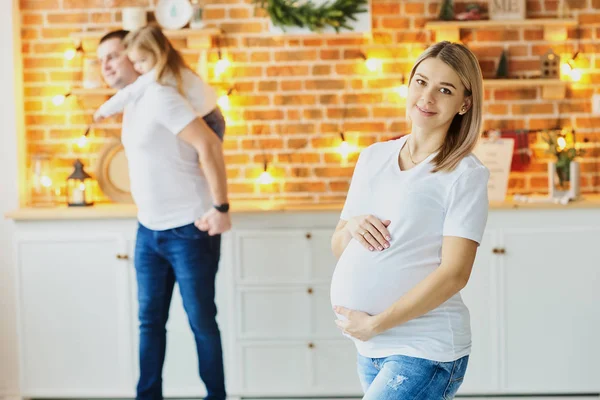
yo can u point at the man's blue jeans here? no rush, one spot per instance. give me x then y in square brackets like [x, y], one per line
[189, 257]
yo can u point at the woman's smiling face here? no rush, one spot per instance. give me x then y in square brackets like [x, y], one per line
[435, 95]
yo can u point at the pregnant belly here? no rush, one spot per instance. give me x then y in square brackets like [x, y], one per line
[372, 281]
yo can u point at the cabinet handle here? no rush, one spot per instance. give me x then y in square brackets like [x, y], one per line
[308, 235]
[311, 345]
[309, 290]
[122, 257]
[498, 250]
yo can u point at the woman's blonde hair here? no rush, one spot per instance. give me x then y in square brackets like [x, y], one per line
[464, 131]
[151, 38]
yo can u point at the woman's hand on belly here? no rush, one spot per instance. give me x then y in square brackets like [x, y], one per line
[358, 324]
[370, 231]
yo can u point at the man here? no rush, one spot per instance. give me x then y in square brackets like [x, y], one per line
[182, 211]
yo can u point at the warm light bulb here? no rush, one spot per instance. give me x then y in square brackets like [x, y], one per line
[224, 103]
[402, 91]
[59, 99]
[344, 149]
[82, 142]
[575, 74]
[221, 66]
[565, 68]
[562, 143]
[265, 178]
[70, 54]
[46, 181]
[373, 64]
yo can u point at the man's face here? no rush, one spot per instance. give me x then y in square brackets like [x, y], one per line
[116, 68]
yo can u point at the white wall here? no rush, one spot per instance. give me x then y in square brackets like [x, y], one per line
[10, 122]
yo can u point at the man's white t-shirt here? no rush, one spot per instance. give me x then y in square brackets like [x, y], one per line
[423, 208]
[167, 183]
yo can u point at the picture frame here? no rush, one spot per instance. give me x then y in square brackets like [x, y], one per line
[507, 9]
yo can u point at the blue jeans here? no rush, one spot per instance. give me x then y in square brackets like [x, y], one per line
[410, 378]
[216, 122]
[189, 257]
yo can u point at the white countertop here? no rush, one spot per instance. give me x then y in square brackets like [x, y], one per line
[118, 211]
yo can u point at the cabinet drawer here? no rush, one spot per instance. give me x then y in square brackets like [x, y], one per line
[284, 256]
[273, 313]
[301, 368]
[286, 313]
[272, 256]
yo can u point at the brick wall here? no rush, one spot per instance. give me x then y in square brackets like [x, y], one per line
[293, 95]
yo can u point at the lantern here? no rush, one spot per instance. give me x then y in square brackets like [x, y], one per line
[79, 187]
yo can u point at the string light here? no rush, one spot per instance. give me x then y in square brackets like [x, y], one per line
[224, 102]
[223, 63]
[71, 53]
[373, 64]
[265, 177]
[402, 90]
[82, 141]
[59, 99]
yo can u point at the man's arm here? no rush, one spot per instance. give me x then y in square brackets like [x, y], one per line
[210, 151]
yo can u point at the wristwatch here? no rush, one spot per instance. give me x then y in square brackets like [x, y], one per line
[222, 207]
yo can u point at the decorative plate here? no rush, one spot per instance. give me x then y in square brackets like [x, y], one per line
[173, 14]
[112, 172]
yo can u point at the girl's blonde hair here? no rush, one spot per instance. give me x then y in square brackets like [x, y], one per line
[151, 39]
[464, 131]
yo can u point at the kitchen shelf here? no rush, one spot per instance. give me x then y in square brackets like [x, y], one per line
[555, 29]
[196, 38]
[552, 89]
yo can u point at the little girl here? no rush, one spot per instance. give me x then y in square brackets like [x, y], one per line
[155, 58]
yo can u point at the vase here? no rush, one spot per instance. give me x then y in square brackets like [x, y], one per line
[564, 181]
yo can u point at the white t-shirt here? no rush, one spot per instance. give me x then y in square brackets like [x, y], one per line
[167, 183]
[201, 95]
[423, 208]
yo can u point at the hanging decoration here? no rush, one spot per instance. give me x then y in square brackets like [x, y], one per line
[306, 14]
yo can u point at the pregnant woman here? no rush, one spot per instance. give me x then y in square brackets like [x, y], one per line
[408, 235]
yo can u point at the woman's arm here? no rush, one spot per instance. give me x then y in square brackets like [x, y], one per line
[340, 239]
[458, 256]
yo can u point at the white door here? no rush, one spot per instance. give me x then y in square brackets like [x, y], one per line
[480, 297]
[75, 329]
[551, 299]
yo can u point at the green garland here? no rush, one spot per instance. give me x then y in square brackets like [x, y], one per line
[305, 14]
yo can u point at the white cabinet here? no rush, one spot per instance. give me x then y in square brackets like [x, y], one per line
[533, 298]
[286, 337]
[551, 292]
[480, 297]
[75, 315]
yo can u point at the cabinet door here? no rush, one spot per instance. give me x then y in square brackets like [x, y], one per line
[75, 317]
[480, 297]
[334, 369]
[323, 317]
[551, 299]
[273, 313]
[275, 368]
[272, 256]
[322, 259]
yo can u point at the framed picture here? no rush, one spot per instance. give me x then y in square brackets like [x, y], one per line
[507, 9]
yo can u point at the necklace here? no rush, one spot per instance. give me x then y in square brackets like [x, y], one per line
[410, 154]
